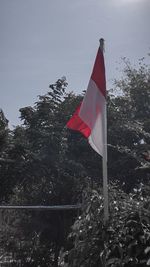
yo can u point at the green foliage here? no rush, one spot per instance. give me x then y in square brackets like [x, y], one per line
[124, 241]
[5, 161]
[128, 126]
[42, 174]
[43, 163]
[3, 130]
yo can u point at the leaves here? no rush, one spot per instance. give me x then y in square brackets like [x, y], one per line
[41, 162]
[41, 173]
[124, 241]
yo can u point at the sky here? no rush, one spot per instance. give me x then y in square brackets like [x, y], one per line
[43, 40]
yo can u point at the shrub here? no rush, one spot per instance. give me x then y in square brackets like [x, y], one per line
[123, 242]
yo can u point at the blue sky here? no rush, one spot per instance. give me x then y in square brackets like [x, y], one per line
[43, 40]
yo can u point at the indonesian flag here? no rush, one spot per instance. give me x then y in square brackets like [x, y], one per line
[90, 117]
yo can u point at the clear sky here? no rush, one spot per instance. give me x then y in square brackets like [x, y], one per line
[43, 40]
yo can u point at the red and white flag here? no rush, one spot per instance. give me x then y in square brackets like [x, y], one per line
[90, 117]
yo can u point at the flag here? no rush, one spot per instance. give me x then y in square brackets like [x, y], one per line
[90, 116]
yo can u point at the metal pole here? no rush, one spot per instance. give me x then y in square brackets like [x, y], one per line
[55, 207]
[104, 158]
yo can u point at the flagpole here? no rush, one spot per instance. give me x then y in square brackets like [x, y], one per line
[104, 158]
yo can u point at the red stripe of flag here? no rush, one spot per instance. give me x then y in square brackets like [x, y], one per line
[98, 73]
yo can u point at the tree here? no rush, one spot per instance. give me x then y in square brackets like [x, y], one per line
[128, 231]
[43, 174]
[128, 130]
[5, 160]
[123, 242]
[47, 164]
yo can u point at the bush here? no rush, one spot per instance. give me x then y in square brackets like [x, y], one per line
[123, 242]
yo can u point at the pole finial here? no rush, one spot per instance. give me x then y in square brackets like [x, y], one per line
[102, 46]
